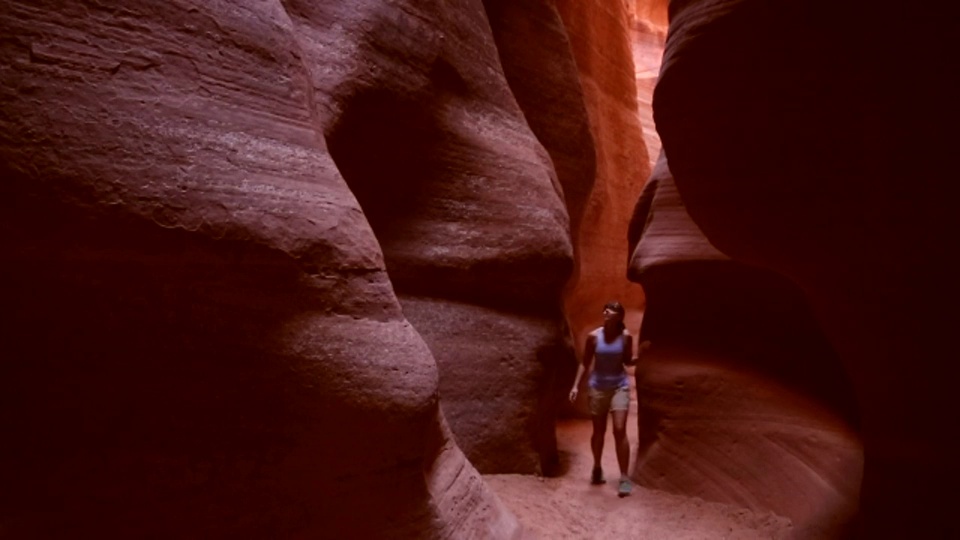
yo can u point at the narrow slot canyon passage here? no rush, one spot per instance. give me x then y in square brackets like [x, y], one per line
[741, 396]
[327, 268]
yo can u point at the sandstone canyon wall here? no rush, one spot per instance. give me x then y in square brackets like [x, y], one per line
[600, 36]
[649, 31]
[742, 400]
[538, 62]
[650, 16]
[537, 59]
[795, 148]
[201, 334]
[470, 215]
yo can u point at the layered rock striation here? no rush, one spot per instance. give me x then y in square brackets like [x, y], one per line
[466, 206]
[537, 59]
[201, 336]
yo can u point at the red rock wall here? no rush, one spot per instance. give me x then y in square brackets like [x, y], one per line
[650, 15]
[201, 337]
[810, 157]
[537, 59]
[600, 35]
[741, 395]
[649, 22]
[469, 212]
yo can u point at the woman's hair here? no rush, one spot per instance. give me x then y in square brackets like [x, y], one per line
[617, 307]
[613, 305]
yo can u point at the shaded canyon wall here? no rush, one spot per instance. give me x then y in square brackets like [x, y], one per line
[796, 149]
[741, 400]
[202, 334]
[471, 218]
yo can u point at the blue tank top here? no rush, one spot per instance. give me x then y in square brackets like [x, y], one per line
[608, 372]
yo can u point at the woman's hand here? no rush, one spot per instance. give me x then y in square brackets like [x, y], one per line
[643, 347]
[574, 392]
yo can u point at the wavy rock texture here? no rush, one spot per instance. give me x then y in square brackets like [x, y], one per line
[600, 35]
[810, 157]
[649, 23]
[537, 59]
[741, 400]
[661, 231]
[466, 206]
[201, 336]
[504, 398]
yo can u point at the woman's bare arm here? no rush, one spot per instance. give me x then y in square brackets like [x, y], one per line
[642, 348]
[628, 359]
[588, 351]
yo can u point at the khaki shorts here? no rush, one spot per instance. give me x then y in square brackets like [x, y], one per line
[604, 401]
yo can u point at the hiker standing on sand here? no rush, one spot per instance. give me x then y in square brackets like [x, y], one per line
[612, 347]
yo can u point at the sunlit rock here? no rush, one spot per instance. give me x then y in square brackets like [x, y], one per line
[600, 36]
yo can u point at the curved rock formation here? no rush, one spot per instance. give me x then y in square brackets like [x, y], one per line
[661, 231]
[200, 337]
[649, 21]
[809, 156]
[538, 62]
[466, 206]
[741, 400]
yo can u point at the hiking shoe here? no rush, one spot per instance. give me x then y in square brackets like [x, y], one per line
[596, 478]
[625, 488]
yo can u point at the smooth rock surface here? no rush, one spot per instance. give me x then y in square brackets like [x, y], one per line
[486, 374]
[812, 156]
[741, 400]
[649, 22]
[464, 201]
[538, 62]
[601, 36]
[202, 338]
[661, 231]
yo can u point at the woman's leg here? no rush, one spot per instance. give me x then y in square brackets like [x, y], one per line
[620, 440]
[620, 406]
[596, 441]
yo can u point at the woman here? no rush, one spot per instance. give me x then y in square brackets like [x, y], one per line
[612, 346]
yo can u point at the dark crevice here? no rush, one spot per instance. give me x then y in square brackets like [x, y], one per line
[383, 146]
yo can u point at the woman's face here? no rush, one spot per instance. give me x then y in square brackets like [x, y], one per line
[610, 315]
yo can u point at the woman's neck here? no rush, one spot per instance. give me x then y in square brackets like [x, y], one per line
[611, 330]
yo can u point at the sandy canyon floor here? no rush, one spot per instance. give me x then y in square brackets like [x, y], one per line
[569, 507]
